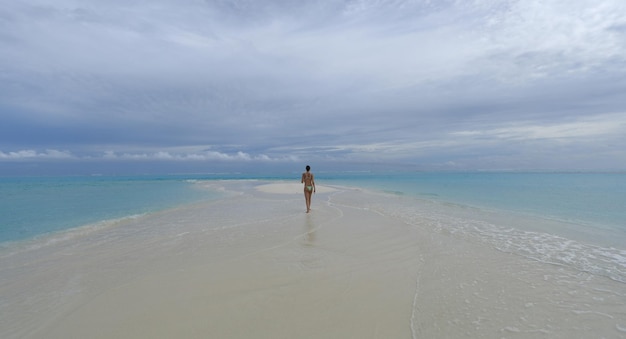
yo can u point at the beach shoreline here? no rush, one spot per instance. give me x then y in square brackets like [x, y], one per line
[254, 264]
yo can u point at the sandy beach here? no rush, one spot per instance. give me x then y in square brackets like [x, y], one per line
[256, 265]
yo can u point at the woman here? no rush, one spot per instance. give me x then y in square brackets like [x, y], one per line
[309, 187]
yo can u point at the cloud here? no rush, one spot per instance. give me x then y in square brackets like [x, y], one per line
[32, 154]
[360, 80]
[154, 156]
[609, 125]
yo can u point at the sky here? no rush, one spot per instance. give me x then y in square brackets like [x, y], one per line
[201, 86]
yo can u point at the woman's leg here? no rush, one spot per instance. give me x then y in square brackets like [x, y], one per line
[307, 198]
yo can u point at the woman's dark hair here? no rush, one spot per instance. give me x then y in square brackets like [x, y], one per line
[308, 168]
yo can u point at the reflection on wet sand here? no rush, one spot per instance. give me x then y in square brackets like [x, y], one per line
[309, 232]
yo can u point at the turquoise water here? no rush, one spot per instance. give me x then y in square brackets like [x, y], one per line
[587, 200]
[575, 220]
[30, 207]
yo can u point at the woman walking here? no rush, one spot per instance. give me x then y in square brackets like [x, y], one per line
[309, 187]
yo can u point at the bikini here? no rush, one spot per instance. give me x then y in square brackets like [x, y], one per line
[310, 188]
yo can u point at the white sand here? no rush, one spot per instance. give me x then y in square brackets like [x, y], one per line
[256, 266]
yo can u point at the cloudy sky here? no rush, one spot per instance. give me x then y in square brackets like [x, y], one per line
[441, 84]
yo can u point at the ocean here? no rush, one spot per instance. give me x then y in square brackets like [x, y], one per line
[32, 207]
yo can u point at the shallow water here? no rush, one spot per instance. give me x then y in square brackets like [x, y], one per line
[34, 206]
[482, 275]
[589, 205]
